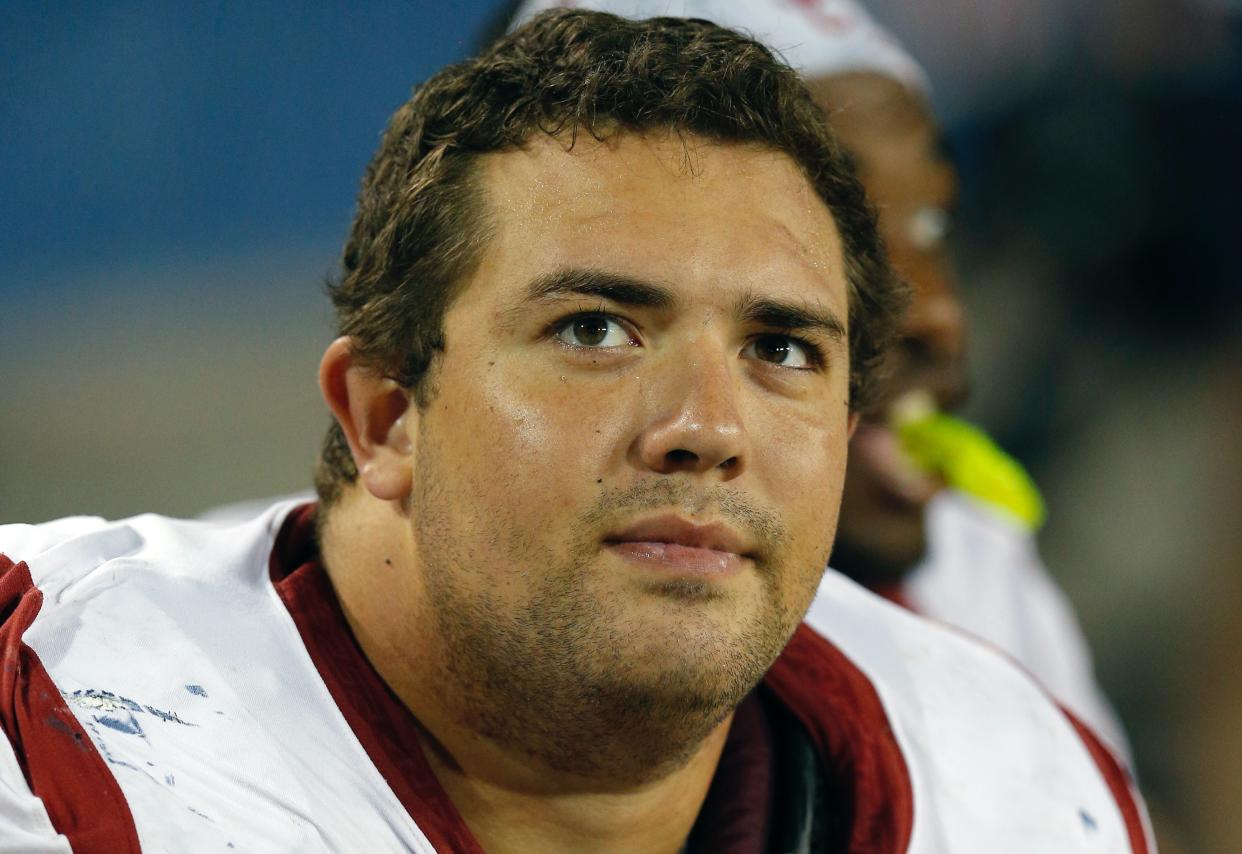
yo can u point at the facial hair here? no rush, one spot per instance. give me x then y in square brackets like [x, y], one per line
[559, 677]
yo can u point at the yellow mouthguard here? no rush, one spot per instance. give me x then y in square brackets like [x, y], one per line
[966, 458]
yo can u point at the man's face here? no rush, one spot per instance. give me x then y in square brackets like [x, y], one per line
[627, 478]
[894, 141]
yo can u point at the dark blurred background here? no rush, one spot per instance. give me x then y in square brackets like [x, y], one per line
[176, 181]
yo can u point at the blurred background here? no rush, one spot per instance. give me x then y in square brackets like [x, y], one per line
[176, 181]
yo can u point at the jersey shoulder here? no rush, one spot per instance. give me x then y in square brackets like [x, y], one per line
[984, 574]
[961, 711]
[23, 541]
[151, 660]
[62, 554]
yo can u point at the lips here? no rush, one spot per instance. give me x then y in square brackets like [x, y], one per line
[676, 545]
[889, 467]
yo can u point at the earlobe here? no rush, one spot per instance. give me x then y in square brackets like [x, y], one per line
[373, 411]
[851, 424]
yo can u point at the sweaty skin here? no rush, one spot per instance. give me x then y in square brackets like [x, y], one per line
[619, 374]
[894, 141]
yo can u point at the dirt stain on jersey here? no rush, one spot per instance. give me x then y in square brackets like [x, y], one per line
[107, 704]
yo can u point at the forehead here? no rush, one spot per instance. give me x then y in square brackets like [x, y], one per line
[716, 219]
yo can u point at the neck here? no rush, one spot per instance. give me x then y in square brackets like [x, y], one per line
[511, 798]
[511, 805]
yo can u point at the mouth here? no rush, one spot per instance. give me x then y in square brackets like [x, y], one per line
[878, 447]
[674, 546]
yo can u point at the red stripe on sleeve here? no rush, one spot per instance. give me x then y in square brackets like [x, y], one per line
[843, 715]
[383, 725]
[1119, 783]
[60, 762]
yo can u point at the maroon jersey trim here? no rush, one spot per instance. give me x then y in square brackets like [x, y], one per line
[385, 727]
[59, 760]
[1119, 784]
[843, 715]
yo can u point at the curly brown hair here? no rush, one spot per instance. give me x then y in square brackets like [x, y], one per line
[420, 227]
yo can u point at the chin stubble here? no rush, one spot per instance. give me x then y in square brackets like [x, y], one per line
[561, 678]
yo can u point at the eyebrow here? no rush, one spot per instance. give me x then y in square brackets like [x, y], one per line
[790, 317]
[615, 287]
[628, 290]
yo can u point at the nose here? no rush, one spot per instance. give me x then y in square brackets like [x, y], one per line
[696, 423]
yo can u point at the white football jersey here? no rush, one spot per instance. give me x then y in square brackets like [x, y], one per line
[161, 692]
[984, 574]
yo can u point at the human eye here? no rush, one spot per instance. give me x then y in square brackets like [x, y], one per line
[784, 351]
[595, 330]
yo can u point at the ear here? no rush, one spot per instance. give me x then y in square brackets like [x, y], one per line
[851, 424]
[372, 410]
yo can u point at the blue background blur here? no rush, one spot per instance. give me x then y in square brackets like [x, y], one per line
[137, 130]
[175, 183]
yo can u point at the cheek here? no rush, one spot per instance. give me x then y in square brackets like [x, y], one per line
[536, 444]
[806, 445]
[805, 472]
